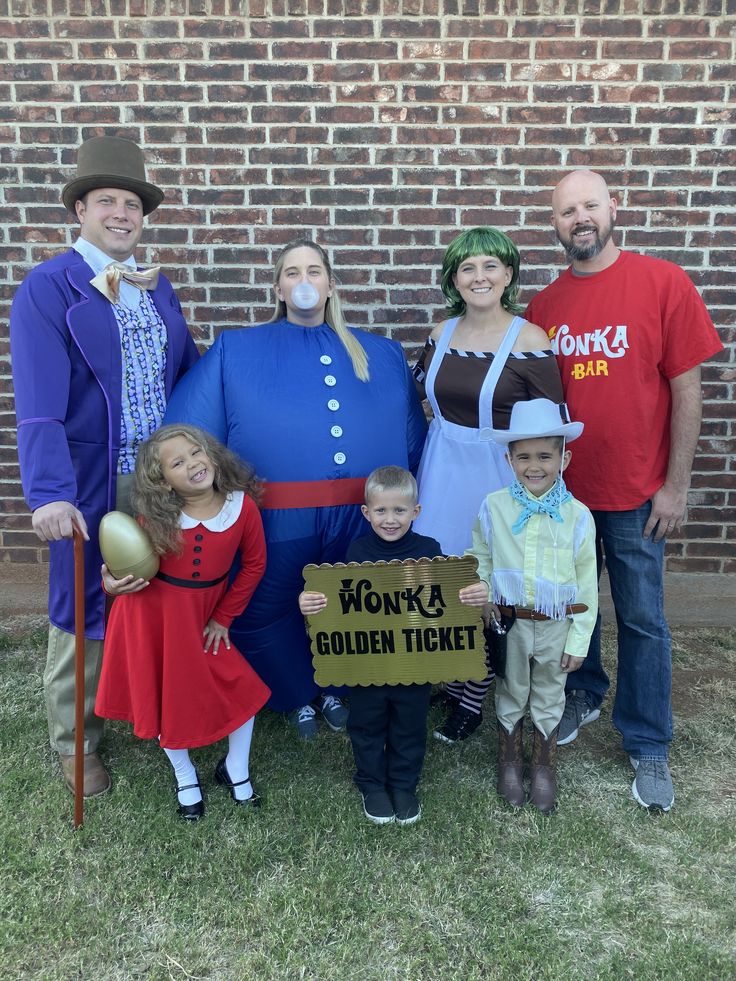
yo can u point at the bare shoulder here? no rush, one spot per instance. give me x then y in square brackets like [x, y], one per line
[437, 331]
[531, 338]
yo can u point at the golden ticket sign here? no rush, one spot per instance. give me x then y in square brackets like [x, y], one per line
[389, 623]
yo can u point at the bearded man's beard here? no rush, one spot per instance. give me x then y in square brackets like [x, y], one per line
[582, 253]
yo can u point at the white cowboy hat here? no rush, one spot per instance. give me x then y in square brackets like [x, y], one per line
[535, 419]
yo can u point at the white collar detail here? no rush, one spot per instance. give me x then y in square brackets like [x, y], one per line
[96, 258]
[226, 518]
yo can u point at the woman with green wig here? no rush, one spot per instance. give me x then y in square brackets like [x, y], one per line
[474, 367]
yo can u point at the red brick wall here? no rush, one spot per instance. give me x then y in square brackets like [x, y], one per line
[382, 127]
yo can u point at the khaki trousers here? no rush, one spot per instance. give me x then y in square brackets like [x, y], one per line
[533, 675]
[59, 675]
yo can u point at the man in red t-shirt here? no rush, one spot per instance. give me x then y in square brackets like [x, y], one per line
[630, 333]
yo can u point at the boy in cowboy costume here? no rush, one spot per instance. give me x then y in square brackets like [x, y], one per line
[96, 346]
[535, 546]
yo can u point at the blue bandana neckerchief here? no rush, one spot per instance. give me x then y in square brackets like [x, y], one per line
[549, 504]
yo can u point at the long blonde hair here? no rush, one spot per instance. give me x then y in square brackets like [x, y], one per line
[160, 507]
[333, 310]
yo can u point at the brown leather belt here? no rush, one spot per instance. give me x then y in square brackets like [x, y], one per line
[524, 614]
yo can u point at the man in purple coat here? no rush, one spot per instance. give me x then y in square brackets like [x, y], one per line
[96, 346]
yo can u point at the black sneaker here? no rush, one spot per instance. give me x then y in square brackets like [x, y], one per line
[460, 724]
[406, 807]
[378, 808]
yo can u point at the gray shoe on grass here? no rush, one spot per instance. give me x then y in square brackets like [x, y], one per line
[652, 786]
[334, 711]
[304, 720]
[578, 713]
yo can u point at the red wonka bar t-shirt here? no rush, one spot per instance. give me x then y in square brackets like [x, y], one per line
[620, 335]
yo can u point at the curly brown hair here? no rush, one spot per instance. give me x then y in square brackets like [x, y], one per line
[161, 507]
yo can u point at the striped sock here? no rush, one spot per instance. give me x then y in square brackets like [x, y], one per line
[473, 693]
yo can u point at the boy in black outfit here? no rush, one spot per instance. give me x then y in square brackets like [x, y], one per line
[387, 723]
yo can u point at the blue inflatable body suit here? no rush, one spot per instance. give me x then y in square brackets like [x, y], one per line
[285, 398]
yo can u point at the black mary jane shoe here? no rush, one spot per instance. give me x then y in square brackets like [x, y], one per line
[191, 812]
[223, 777]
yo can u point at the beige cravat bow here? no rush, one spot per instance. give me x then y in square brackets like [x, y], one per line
[108, 281]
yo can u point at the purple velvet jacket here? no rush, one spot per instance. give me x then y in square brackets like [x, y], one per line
[67, 374]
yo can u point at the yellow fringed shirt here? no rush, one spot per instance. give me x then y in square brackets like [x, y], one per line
[547, 566]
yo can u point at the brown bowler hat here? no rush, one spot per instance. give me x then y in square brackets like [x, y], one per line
[110, 161]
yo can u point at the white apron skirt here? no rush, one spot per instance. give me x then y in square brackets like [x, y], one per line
[461, 465]
[457, 470]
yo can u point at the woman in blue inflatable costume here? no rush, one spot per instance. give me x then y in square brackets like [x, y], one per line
[314, 406]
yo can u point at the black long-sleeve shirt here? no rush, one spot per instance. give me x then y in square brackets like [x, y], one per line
[371, 548]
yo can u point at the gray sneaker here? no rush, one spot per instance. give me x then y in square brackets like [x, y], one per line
[578, 713]
[334, 711]
[304, 720]
[652, 786]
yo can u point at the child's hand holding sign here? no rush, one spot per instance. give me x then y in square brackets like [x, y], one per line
[310, 602]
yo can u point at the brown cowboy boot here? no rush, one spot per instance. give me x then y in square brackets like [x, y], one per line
[510, 784]
[543, 788]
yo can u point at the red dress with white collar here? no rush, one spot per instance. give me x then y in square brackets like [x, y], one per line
[155, 672]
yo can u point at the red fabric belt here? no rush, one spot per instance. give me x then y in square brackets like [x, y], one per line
[313, 493]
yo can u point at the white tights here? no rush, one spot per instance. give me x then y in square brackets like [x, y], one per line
[236, 761]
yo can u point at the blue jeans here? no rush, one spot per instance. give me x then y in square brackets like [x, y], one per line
[642, 710]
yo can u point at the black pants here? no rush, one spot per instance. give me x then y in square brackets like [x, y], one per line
[388, 730]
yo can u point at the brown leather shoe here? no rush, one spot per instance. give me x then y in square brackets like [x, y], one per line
[96, 778]
[543, 787]
[510, 783]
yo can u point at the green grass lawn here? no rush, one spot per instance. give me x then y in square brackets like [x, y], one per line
[307, 888]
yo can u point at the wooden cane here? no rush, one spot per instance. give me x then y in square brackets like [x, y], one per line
[79, 678]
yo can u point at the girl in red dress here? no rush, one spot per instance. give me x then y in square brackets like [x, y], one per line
[169, 666]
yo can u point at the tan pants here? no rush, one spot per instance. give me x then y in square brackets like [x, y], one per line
[533, 675]
[59, 675]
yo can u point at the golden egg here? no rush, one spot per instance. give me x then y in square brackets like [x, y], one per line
[126, 547]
